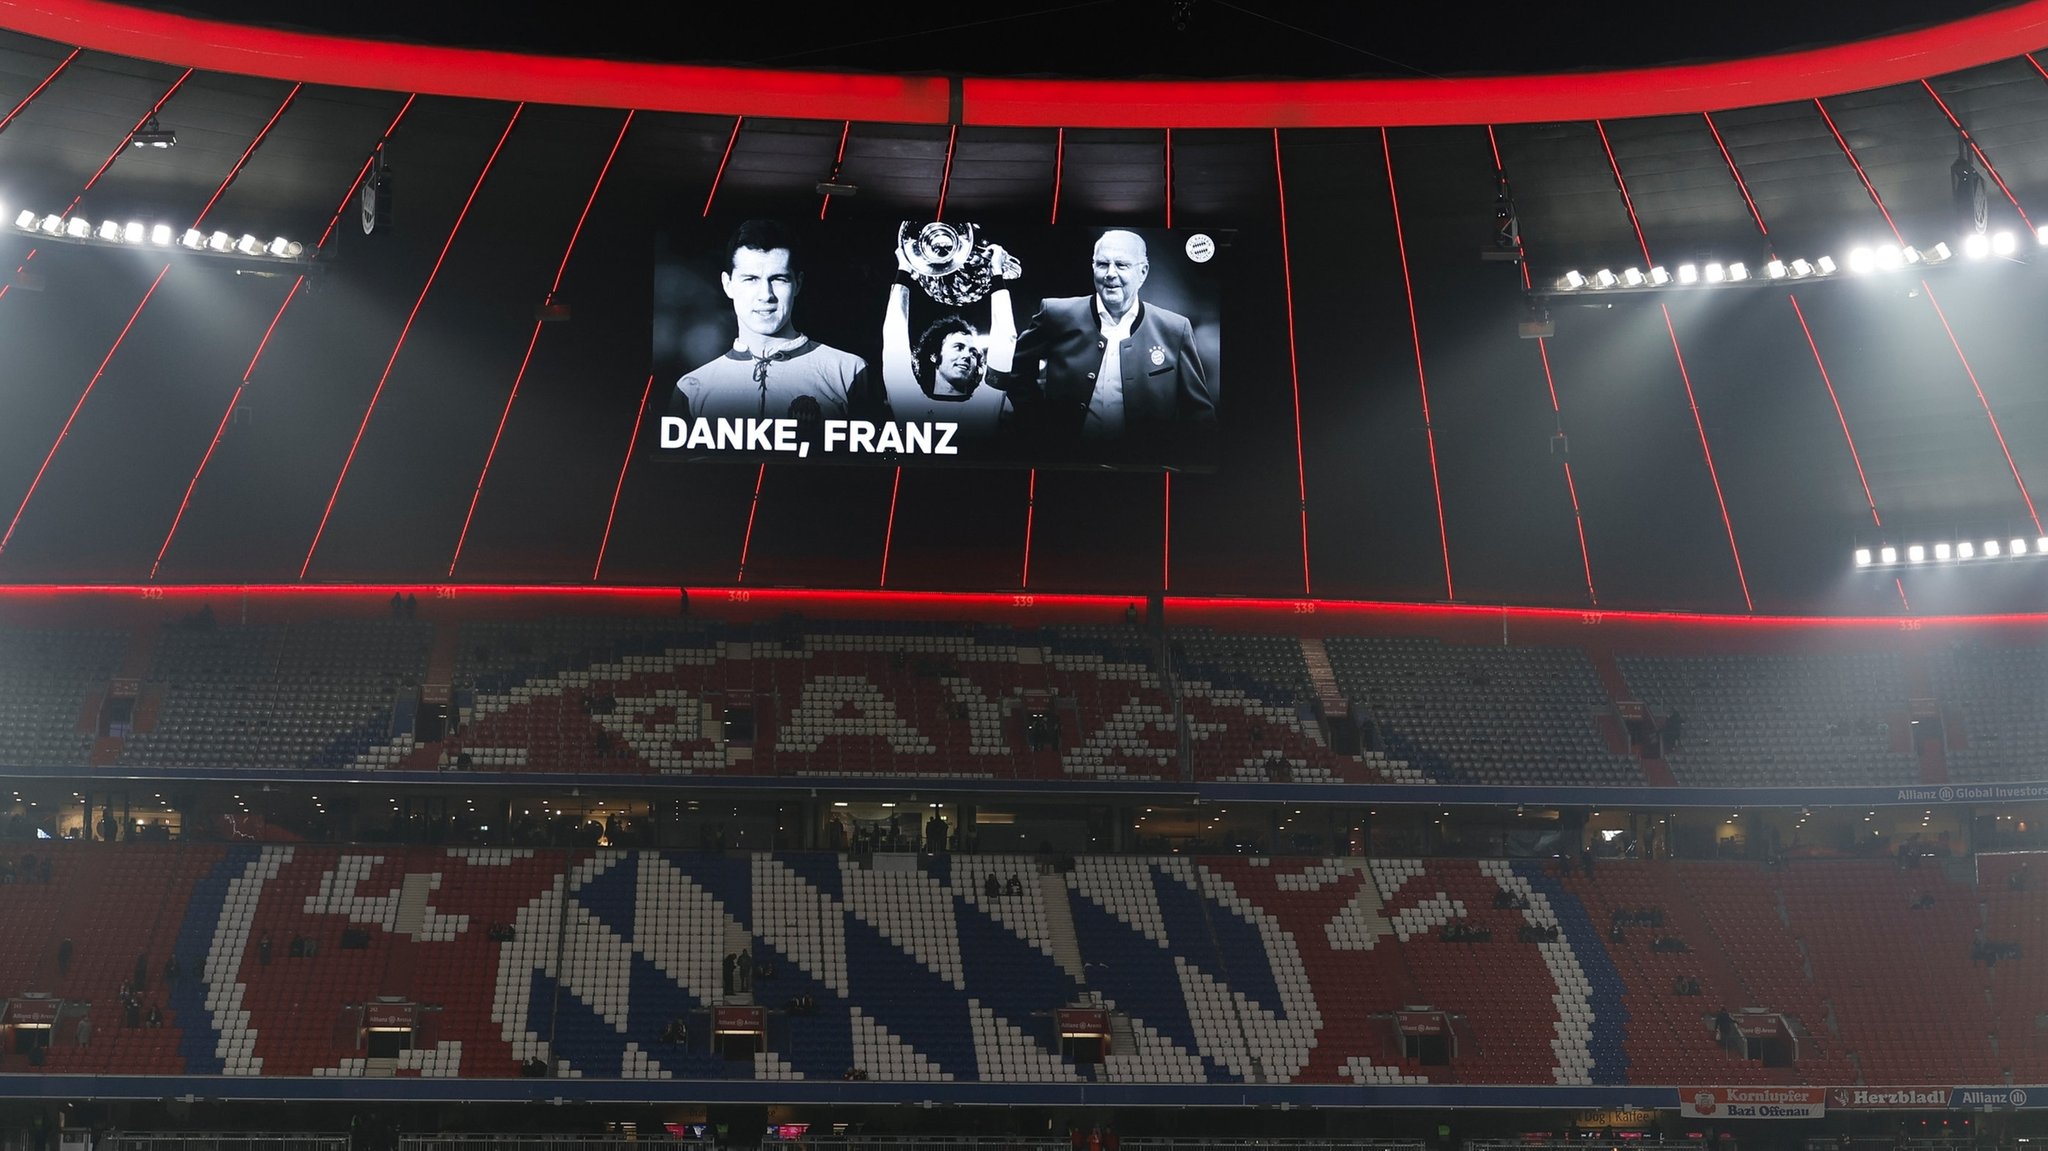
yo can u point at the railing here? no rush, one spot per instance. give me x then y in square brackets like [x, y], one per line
[532, 1141]
[1200, 1144]
[921, 1143]
[224, 1141]
[527, 1141]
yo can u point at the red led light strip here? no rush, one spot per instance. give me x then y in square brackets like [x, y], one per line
[946, 175]
[631, 440]
[220, 46]
[1981, 157]
[1826, 379]
[1860, 173]
[1961, 356]
[221, 430]
[1996, 433]
[1059, 163]
[378, 392]
[723, 160]
[68, 420]
[1293, 363]
[1169, 177]
[828, 599]
[246, 153]
[38, 89]
[1741, 184]
[144, 302]
[1443, 533]
[889, 530]
[838, 159]
[519, 377]
[1550, 383]
[753, 506]
[1684, 374]
[894, 487]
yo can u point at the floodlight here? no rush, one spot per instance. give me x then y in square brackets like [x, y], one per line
[1976, 246]
[1775, 269]
[1861, 260]
[1659, 276]
[1889, 257]
[1863, 557]
[1715, 273]
[2004, 243]
[1888, 555]
[1825, 265]
[2041, 546]
[249, 245]
[1916, 553]
[1688, 273]
[78, 228]
[1571, 281]
[161, 235]
[2018, 546]
[27, 220]
[219, 242]
[108, 230]
[193, 239]
[152, 135]
[1943, 552]
[1801, 269]
[1738, 272]
[1604, 279]
[1991, 547]
[1966, 550]
[1633, 277]
[1910, 254]
[134, 232]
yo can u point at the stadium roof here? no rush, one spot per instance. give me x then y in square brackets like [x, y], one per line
[1811, 152]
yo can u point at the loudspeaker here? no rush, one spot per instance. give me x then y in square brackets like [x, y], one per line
[375, 197]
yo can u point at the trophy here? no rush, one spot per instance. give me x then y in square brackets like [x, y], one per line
[951, 262]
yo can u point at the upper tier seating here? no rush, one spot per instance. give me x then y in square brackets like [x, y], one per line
[1216, 970]
[1250, 718]
[314, 695]
[47, 680]
[1779, 720]
[2002, 696]
[1469, 714]
[632, 695]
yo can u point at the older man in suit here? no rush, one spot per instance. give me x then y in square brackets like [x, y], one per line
[1107, 366]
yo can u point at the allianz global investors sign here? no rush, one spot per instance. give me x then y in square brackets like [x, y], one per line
[1888, 1098]
[1753, 1102]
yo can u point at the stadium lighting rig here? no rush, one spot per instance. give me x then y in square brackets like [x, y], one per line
[1952, 552]
[1859, 262]
[55, 228]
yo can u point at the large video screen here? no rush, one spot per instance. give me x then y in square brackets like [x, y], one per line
[937, 343]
